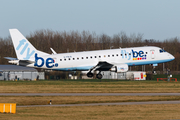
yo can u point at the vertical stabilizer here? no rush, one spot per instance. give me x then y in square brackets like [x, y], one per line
[24, 49]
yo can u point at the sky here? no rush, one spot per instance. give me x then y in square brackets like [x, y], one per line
[155, 19]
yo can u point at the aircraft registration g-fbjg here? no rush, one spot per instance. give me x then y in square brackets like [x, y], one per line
[116, 60]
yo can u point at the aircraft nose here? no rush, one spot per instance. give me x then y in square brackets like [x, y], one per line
[171, 57]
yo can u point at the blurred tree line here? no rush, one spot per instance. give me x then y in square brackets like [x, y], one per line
[72, 41]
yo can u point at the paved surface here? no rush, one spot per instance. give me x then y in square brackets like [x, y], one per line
[101, 104]
[89, 94]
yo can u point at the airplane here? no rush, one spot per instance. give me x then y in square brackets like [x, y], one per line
[115, 60]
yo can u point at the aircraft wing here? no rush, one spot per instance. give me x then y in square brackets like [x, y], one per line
[102, 66]
[105, 66]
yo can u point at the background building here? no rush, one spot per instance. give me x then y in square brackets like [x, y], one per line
[130, 75]
[12, 72]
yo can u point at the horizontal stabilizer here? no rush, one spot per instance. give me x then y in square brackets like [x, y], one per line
[21, 62]
[10, 58]
[27, 61]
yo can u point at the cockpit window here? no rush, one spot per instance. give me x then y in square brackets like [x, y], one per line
[161, 51]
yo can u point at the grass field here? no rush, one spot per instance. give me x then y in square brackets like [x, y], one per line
[43, 100]
[122, 112]
[128, 112]
[87, 86]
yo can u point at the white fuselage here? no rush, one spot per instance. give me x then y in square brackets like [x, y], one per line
[86, 60]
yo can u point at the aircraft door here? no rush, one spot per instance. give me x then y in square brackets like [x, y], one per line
[152, 54]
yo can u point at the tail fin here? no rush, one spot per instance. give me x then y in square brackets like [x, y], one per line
[24, 49]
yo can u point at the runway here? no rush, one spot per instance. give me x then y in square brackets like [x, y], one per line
[103, 104]
[89, 94]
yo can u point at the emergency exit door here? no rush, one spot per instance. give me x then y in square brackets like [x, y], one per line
[152, 54]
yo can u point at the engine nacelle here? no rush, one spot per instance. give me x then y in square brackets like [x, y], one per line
[119, 68]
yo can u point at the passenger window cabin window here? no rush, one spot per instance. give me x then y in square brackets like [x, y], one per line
[64, 59]
[77, 58]
[99, 56]
[86, 57]
[129, 53]
[94, 56]
[82, 57]
[108, 55]
[60, 59]
[112, 55]
[73, 58]
[69, 59]
[91, 56]
[116, 54]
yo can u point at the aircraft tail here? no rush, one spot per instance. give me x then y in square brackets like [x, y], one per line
[23, 48]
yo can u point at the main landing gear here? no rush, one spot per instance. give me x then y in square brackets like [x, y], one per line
[90, 74]
[98, 76]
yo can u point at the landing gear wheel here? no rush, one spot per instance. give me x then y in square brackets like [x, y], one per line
[89, 74]
[99, 76]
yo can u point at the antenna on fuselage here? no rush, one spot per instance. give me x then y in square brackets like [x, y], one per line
[53, 51]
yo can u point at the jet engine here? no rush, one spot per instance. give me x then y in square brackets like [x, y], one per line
[119, 68]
